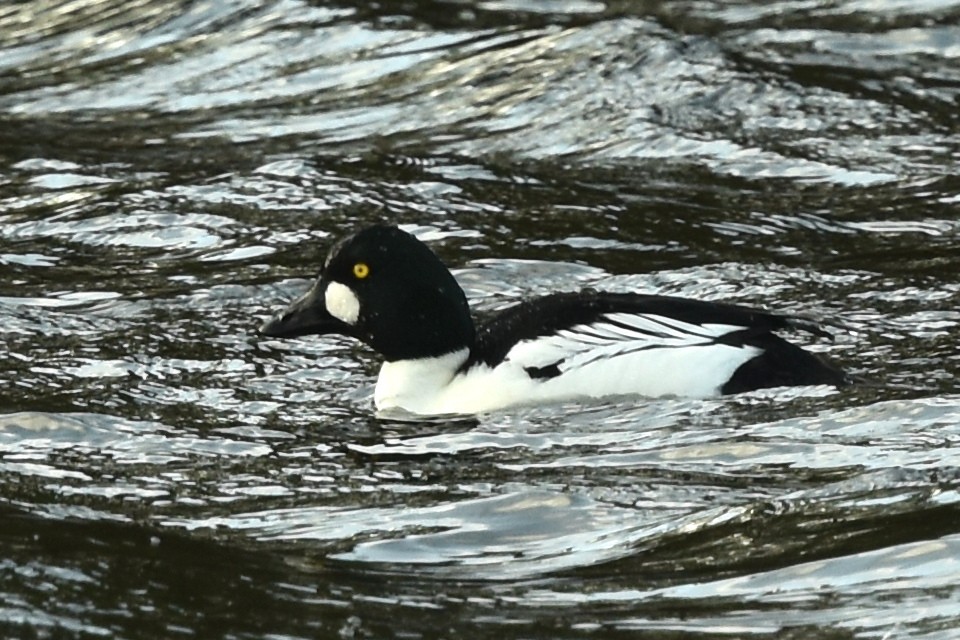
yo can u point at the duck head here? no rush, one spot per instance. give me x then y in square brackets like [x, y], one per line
[387, 289]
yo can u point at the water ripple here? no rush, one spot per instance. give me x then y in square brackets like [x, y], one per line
[173, 173]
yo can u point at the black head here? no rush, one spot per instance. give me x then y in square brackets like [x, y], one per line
[387, 289]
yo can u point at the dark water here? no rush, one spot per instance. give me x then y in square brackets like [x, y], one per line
[172, 172]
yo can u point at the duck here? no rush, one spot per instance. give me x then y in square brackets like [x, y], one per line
[389, 290]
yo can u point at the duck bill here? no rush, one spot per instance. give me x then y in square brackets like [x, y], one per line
[307, 315]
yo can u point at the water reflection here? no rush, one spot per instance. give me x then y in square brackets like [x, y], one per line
[172, 173]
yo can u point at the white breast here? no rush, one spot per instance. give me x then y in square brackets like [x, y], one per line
[421, 385]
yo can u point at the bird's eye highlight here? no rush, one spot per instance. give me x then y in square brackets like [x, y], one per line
[361, 270]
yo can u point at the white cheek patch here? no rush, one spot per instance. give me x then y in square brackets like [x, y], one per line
[342, 302]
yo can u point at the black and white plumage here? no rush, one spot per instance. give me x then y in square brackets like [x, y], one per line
[389, 290]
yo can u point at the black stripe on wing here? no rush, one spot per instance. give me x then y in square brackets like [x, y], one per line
[548, 315]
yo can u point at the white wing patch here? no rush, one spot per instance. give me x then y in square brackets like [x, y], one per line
[634, 353]
[612, 335]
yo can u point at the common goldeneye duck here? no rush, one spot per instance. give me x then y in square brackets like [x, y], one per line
[387, 289]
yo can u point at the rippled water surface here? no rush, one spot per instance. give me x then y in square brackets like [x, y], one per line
[173, 172]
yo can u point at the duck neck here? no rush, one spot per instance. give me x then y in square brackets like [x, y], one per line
[421, 322]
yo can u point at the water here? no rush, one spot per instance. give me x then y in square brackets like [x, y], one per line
[171, 173]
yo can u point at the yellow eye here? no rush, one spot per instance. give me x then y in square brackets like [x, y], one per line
[361, 270]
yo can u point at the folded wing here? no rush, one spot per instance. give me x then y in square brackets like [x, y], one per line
[652, 345]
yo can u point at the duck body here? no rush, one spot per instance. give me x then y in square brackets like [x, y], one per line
[389, 290]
